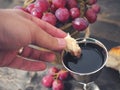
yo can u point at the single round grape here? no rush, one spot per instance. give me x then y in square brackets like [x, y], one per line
[53, 8]
[96, 8]
[80, 24]
[63, 74]
[47, 81]
[71, 3]
[91, 15]
[30, 7]
[62, 14]
[53, 70]
[43, 5]
[59, 3]
[35, 12]
[57, 85]
[74, 12]
[50, 18]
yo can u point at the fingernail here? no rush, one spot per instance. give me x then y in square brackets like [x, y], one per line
[62, 43]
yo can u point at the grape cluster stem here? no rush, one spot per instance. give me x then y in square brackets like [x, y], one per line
[27, 2]
[66, 26]
[82, 7]
[87, 32]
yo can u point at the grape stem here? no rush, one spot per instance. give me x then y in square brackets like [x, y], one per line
[74, 33]
[27, 2]
[87, 32]
[82, 7]
[66, 26]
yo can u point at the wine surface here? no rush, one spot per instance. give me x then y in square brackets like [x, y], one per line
[91, 59]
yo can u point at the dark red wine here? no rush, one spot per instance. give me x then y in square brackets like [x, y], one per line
[91, 59]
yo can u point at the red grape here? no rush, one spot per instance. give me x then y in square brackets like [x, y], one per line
[80, 24]
[74, 12]
[53, 70]
[43, 5]
[59, 3]
[50, 18]
[30, 7]
[71, 3]
[96, 8]
[62, 74]
[62, 14]
[57, 85]
[35, 12]
[91, 15]
[90, 2]
[53, 8]
[47, 80]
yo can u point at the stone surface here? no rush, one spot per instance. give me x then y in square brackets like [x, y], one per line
[106, 29]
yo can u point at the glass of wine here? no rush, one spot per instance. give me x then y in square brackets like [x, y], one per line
[86, 69]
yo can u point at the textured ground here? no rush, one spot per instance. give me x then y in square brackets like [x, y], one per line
[106, 29]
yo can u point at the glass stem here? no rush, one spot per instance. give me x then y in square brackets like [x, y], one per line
[84, 86]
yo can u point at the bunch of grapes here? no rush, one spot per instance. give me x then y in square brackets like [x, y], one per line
[54, 79]
[78, 13]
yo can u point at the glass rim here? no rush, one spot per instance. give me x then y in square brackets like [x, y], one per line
[97, 43]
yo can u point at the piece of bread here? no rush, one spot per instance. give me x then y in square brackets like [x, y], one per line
[114, 58]
[72, 46]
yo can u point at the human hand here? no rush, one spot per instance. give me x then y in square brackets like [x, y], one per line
[19, 29]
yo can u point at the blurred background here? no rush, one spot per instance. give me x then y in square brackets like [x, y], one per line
[106, 29]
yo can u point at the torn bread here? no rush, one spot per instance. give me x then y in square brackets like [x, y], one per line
[114, 58]
[72, 46]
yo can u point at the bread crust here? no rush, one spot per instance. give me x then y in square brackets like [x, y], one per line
[115, 51]
[114, 58]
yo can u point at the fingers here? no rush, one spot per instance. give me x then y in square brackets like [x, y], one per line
[21, 63]
[37, 55]
[52, 30]
[45, 40]
[43, 34]
[49, 28]
[50, 42]
[30, 60]
[9, 59]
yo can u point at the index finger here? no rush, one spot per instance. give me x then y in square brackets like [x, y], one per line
[52, 30]
[28, 65]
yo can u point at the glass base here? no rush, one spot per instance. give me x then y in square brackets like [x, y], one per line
[92, 86]
[89, 86]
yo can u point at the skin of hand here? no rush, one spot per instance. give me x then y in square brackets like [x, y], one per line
[19, 29]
